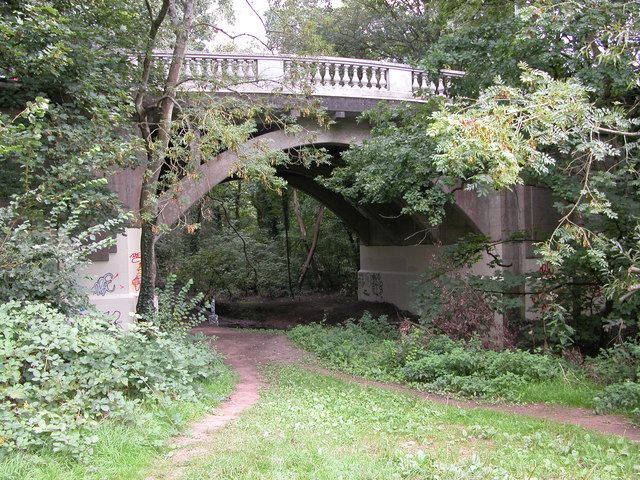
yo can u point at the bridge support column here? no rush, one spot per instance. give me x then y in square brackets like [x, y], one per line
[114, 280]
[387, 272]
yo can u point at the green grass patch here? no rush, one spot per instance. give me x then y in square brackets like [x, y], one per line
[570, 392]
[310, 426]
[124, 450]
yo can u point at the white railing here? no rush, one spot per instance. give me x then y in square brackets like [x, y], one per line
[323, 76]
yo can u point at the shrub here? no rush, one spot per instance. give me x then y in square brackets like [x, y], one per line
[467, 369]
[59, 375]
[620, 396]
[373, 348]
[365, 348]
[617, 364]
[177, 312]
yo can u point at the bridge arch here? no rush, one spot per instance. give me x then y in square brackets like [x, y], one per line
[375, 224]
[391, 254]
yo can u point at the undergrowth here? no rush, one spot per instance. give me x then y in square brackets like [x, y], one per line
[61, 374]
[374, 349]
[124, 449]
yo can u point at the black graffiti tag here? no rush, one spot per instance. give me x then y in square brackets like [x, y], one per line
[103, 284]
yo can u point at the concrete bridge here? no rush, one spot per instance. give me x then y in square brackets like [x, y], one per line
[394, 249]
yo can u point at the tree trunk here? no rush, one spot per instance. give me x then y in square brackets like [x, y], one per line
[303, 236]
[156, 152]
[148, 267]
[314, 244]
[285, 217]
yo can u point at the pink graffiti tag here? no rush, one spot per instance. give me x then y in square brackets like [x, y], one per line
[136, 259]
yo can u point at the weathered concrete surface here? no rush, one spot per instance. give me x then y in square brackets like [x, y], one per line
[113, 285]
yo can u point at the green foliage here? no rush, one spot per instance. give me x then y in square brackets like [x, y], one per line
[438, 363]
[238, 246]
[596, 42]
[617, 364]
[62, 374]
[125, 450]
[620, 397]
[554, 106]
[395, 163]
[177, 311]
[64, 99]
[472, 371]
[364, 348]
[57, 214]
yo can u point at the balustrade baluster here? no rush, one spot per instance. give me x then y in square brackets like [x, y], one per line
[196, 68]
[417, 80]
[331, 69]
[351, 74]
[369, 75]
[322, 72]
[359, 75]
[244, 68]
[341, 74]
[205, 65]
[316, 77]
[186, 68]
[215, 69]
[224, 69]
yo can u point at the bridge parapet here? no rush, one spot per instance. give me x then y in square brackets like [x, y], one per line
[322, 76]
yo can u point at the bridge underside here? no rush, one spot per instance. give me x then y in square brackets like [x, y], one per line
[394, 249]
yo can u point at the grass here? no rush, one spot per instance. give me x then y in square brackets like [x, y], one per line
[310, 426]
[124, 451]
[570, 393]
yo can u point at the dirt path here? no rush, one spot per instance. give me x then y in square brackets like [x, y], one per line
[246, 351]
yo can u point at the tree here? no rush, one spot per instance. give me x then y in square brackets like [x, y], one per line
[63, 98]
[552, 103]
[156, 146]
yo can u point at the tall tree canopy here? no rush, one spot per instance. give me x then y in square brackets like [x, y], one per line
[550, 98]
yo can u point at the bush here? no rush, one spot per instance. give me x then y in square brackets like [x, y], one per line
[177, 312]
[365, 348]
[617, 364]
[59, 375]
[373, 348]
[464, 367]
[620, 397]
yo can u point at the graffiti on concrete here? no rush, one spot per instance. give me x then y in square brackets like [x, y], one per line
[103, 284]
[370, 284]
[136, 259]
[115, 314]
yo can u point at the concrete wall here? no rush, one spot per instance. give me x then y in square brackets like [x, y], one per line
[114, 284]
[386, 273]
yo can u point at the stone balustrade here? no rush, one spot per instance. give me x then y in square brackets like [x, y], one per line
[323, 76]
